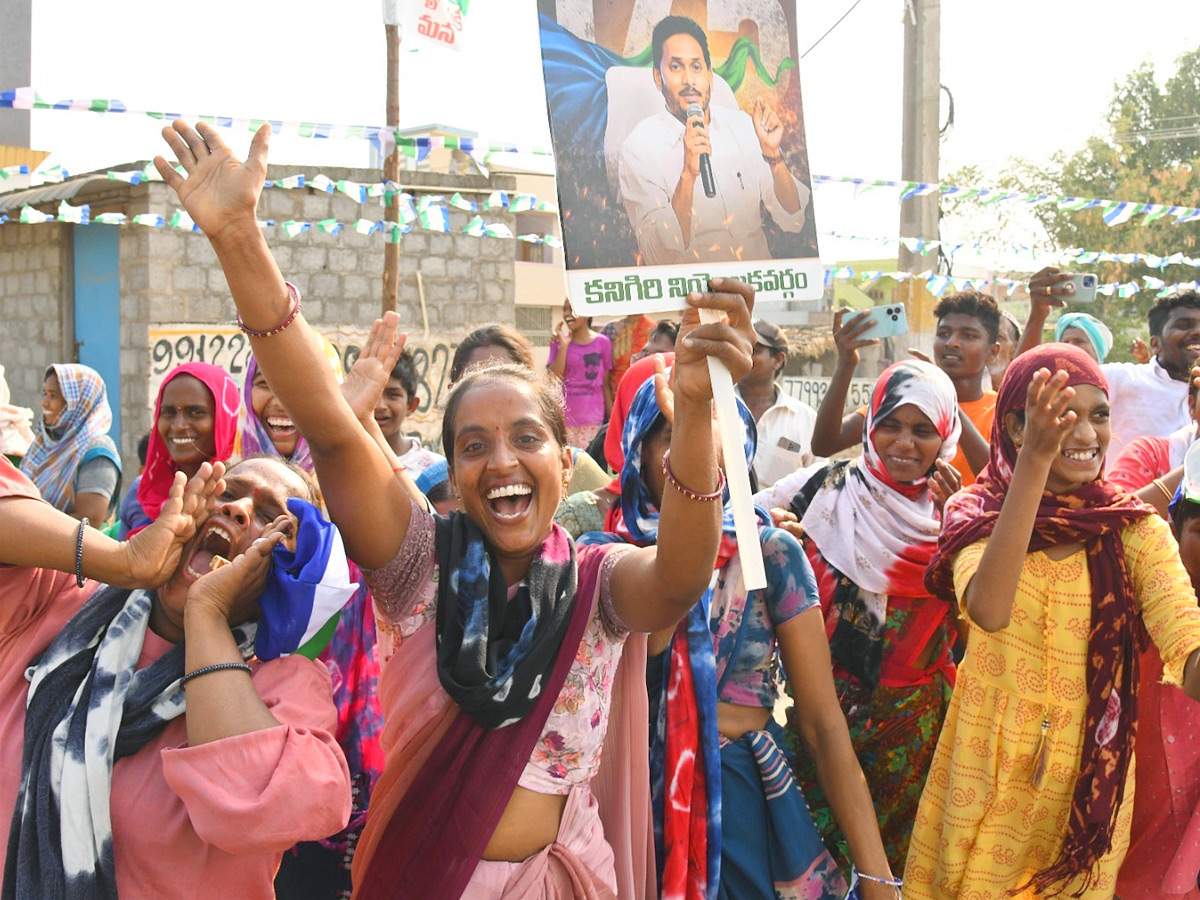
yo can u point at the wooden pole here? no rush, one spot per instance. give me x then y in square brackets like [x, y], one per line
[919, 151]
[391, 172]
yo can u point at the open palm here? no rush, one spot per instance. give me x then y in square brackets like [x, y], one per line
[155, 551]
[368, 377]
[219, 189]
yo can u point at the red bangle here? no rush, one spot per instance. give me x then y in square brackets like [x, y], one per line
[291, 317]
[688, 492]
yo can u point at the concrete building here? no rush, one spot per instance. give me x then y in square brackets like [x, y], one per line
[134, 301]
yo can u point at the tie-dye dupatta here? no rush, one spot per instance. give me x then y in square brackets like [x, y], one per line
[436, 831]
[685, 749]
[877, 532]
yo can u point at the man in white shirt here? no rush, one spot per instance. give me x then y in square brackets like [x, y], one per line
[1151, 399]
[661, 184]
[785, 425]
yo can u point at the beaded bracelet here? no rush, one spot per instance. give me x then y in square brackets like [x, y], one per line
[215, 667]
[291, 317]
[688, 492]
[79, 579]
[896, 883]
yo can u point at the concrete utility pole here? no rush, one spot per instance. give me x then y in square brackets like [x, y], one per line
[15, 69]
[391, 171]
[919, 153]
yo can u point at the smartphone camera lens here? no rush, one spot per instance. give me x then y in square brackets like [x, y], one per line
[1089, 281]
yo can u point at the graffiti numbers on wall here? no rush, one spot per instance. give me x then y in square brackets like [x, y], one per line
[225, 346]
[811, 389]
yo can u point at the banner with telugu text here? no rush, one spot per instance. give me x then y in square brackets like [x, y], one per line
[643, 222]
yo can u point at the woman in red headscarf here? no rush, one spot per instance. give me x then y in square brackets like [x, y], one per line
[195, 421]
[1061, 576]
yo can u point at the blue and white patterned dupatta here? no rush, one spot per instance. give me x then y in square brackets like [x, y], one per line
[88, 706]
[635, 520]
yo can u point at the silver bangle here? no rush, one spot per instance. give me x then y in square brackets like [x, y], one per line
[215, 667]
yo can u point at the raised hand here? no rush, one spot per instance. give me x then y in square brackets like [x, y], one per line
[847, 335]
[1141, 353]
[1047, 419]
[767, 127]
[730, 340]
[232, 591]
[153, 553]
[368, 377]
[219, 190]
[1050, 288]
[944, 482]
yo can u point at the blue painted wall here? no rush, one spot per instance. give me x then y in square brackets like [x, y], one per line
[98, 310]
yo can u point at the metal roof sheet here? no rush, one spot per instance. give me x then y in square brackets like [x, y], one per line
[47, 193]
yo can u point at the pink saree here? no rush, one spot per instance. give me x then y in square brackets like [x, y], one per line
[421, 719]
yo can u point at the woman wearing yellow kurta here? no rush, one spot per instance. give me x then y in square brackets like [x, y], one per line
[1031, 788]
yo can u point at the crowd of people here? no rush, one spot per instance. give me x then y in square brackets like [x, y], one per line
[972, 672]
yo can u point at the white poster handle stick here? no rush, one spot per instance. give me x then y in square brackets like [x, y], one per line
[737, 476]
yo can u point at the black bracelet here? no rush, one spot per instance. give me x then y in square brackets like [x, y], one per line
[79, 579]
[215, 667]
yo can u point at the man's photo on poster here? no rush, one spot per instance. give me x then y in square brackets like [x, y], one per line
[676, 143]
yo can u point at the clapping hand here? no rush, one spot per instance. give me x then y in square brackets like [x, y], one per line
[944, 482]
[153, 553]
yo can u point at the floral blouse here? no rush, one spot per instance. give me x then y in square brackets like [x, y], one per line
[743, 625]
[568, 751]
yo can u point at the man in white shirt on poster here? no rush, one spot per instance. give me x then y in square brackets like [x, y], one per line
[785, 425]
[662, 187]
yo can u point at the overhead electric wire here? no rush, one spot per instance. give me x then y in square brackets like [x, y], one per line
[831, 27]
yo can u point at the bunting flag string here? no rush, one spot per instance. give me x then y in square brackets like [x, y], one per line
[1070, 256]
[381, 135]
[1114, 212]
[938, 284]
[431, 217]
[434, 217]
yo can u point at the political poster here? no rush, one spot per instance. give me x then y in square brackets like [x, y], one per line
[679, 148]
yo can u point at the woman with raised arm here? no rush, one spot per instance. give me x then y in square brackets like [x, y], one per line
[189, 768]
[1061, 576]
[499, 641]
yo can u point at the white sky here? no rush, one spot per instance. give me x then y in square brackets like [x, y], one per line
[1029, 77]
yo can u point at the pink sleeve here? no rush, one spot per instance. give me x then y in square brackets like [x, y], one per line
[398, 586]
[553, 354]
[265, 791]
[1142, 460]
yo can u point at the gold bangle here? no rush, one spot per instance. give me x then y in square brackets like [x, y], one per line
[1158, 483]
